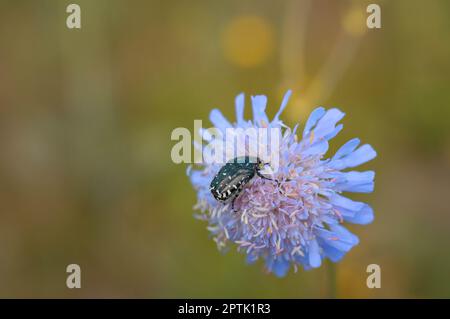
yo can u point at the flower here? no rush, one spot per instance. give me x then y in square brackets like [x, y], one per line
[298, 220]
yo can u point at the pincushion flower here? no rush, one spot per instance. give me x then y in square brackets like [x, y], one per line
[300, 219]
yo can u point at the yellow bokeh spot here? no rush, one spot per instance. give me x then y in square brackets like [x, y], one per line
[248, 41]
[303, 104]
[300, 109]
[354, 21]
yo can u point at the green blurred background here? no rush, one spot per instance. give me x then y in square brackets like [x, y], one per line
[86, 117]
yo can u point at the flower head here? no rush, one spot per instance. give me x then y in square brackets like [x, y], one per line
[297, 220]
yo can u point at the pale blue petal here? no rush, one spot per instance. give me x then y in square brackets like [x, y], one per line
[219, 120]
[315, 116]
[345, 235]
[330, 252]
[327, 123]
[363, 154]
[316, 149]
[357, 182]
[360, 188]
[334, 132]
[251, 259]
[283, 105]
[314, 255]
[303, 260]
[338, 237]
[347, 148]
[333, 253]
[206, 134]
[362, 217]
[259, 109]
[280, 267]
[360, 177]
[239, 102]
[344, 202]
[199, 179]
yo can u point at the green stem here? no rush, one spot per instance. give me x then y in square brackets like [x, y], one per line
[332, 280]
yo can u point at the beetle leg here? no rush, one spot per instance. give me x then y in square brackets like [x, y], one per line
[263, 177]
[232, 205]
[270, 179]
[275, 180]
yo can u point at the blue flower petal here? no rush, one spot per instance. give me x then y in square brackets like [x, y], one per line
[338, 237]
[239, 102]
[315, 116]
[251, 259]
[345, 235]
[330, 252]
[316, 149]
[363, 154]
[259, 109]
[303, 260]
[334, 132]
[198, 178]
[347, 148]
[206, 134]
[283, 106]
[357, 182]
[216, 117]
[280, 267]
[344, 202]
[314, 255]
[362, 217]
[326, 125]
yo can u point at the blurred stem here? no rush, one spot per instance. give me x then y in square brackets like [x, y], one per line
[332, 280]
[293, 41]
[293, 46]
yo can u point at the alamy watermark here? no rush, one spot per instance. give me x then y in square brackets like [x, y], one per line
[227, 144]
[73, 20]
[374, 19]
[374, 279]
[74, 278]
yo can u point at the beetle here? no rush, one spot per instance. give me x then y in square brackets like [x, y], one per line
[233, 176]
